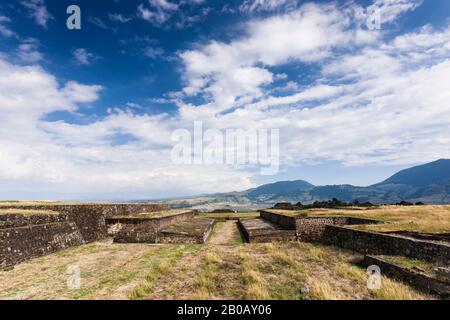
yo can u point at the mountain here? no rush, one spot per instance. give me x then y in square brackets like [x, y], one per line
[279, 189]
[420, 176]
[428, 183]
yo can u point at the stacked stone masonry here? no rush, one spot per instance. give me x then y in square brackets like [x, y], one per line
[335, 231]
[418, 280]
[194, 231]
[260, 230]
[144, 230]
[23, 243]
[27, 236]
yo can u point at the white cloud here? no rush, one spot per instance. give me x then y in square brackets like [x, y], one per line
[391, 9]
[376, 101]
[153, 52]
[164, 13]
[267, 5]
[60, 159]
[38, 11]
[83, 56]
[4, 30]
[21, 87]
[305, 35]
[28, 51]
[159, 13]
[119, 17]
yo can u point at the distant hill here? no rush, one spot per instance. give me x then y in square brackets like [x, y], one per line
[281, 188]
[428, 183]
[423, 175]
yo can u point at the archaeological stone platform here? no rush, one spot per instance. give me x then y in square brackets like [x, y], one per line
[145, 227]
[32, 230]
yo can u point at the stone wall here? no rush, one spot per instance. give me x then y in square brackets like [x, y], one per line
[27, 236]
[144, 232]
[195, 232]
[91, 225]
[420, 281]
[312, 229]
[108, 210]
[283, 221]
[144, 229]
[21, 220]
[260, 231]
[23, 243]
[382, 244]
[89, 218]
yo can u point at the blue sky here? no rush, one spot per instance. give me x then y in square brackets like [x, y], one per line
[89, 114]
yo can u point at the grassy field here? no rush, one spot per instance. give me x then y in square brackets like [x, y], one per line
[27, 212]
[231, 216]
[154, 214]
[429, 219]
[224, 268]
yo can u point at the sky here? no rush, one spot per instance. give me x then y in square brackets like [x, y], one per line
[90, 114]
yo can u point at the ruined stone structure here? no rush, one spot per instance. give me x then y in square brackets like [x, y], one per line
[23, 237]
[194, 231]
[30, 234]
[145, 228]
[106, 209]
[337, 231]
[259, 230]
[383, 244]
[416, 279]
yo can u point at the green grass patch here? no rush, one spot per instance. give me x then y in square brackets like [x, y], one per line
[414, 264]
[158, 265]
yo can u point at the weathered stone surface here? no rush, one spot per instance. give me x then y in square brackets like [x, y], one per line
[283, 221]
[23, 243]
[418, 280]
[442, 274]
[144, 232]
[374, 243]
[445, 237]
[259, 230]
[312, 229]
[106, 209]
[145, 229]
[331, 230]
[26, 236]
[21, 220]
[193, 231]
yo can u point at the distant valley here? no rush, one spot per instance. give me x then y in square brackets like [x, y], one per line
[428, 183]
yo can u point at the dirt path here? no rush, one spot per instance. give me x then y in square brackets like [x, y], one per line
[226, 232]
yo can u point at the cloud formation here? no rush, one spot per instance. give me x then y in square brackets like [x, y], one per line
[37, 9]
[374, 100]
[82, 56]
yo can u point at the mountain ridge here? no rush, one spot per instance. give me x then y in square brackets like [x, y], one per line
[428, 183]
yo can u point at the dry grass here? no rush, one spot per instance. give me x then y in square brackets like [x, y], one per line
[154, 214]
[225, 233]
[414, 264]
[250, 271]
[160, 265]
[429, 219]
[231, 216]
[24, 212]
[215, 271]
[45, 203]
[108, 271]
